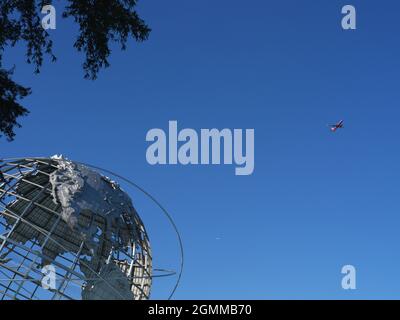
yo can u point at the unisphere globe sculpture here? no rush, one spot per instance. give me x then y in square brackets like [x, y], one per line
[54, 212]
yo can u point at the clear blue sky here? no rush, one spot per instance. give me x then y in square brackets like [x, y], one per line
[316, 201]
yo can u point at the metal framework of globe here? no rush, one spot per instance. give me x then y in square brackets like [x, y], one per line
[34, 234]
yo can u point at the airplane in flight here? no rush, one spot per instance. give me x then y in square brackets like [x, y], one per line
[335, 127]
